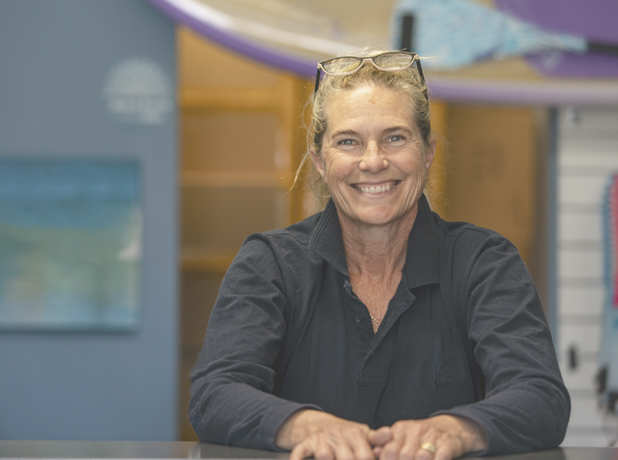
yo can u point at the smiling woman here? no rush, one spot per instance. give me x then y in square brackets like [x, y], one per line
[373, 160]
[374, 328]
[406, 81]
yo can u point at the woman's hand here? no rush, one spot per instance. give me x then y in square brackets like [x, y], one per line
[438, 438]
[310, 433]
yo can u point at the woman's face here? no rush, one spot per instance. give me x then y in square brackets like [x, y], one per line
[373, 159]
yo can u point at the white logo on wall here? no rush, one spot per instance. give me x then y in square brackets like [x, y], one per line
[138, 91]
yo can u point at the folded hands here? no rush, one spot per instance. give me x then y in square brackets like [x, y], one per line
[310, 433]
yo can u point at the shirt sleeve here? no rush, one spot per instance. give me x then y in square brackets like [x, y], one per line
[527, 406]
[232, 399]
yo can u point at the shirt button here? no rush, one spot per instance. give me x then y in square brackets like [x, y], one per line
[359, 319]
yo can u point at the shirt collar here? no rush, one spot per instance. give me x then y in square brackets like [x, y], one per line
[326, 239]
[422, 262]
[423, 258]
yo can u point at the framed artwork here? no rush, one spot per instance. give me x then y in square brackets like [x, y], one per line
[70, 244]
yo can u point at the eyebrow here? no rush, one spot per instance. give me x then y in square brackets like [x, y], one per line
[345, 132]
[351, 132]
[397, 128]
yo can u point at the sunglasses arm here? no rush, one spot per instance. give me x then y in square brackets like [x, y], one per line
[420, 69]
[317, 80]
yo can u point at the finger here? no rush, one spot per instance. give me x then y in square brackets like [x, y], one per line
[446, 446]
[425, 451]
[362, 449]
[323, 449]
[350, 444]
[445, 452]
[390, 450]
[419, 441]
[343, 451]
[409, 449]
[301, 451]
[380, 436]
[434, 448]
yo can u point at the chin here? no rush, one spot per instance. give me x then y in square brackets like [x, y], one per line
[378, 218]
[383, 217]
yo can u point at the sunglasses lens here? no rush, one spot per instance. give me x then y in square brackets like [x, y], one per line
[341, 65]
[393, 60]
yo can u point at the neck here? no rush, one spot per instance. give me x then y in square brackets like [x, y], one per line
[377, 252]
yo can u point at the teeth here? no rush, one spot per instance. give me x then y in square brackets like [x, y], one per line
[374, 189]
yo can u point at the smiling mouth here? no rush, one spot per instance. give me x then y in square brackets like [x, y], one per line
[375, 188]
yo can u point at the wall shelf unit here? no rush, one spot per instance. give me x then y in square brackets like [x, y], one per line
[241, 140]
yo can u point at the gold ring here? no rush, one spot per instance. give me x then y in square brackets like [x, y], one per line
[429, 447]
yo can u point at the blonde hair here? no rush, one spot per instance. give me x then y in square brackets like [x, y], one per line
[407, 82]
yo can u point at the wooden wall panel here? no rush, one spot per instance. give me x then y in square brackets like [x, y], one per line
[240, 145]
[491, 170]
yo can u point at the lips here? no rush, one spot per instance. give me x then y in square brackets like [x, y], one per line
[377, 188]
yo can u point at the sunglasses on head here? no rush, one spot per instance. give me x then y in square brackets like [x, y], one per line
[390, 61]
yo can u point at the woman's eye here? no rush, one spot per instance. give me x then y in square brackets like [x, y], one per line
[395, 138]
[346, 142]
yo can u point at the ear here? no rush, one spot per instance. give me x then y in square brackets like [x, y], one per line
[430, 154]
[319, 164]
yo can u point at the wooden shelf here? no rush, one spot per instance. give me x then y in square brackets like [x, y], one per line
[237, 179]
[231, 98]
[205, 261]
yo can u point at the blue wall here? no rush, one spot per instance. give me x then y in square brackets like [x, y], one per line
[56, 58]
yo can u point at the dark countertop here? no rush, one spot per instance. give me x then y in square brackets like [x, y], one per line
[181, 450]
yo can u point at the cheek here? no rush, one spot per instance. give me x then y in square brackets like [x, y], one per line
[329, 163]
[336, 168]
[418, 164]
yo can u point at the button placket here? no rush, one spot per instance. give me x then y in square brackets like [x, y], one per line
[360, 314]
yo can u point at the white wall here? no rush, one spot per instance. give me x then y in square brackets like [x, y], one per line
[587, 155]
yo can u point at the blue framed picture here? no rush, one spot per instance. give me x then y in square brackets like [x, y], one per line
[70, 244]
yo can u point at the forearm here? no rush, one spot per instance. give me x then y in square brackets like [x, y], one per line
[237, 414]
[526, 406]
[528, 416]
[233, 381]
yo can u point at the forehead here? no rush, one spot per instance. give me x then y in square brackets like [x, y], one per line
[369, 105]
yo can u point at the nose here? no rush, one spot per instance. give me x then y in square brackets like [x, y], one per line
[373, 159]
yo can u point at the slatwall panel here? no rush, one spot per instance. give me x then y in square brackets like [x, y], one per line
[587, 154]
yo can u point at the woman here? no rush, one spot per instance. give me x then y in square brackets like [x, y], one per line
[375, 329]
